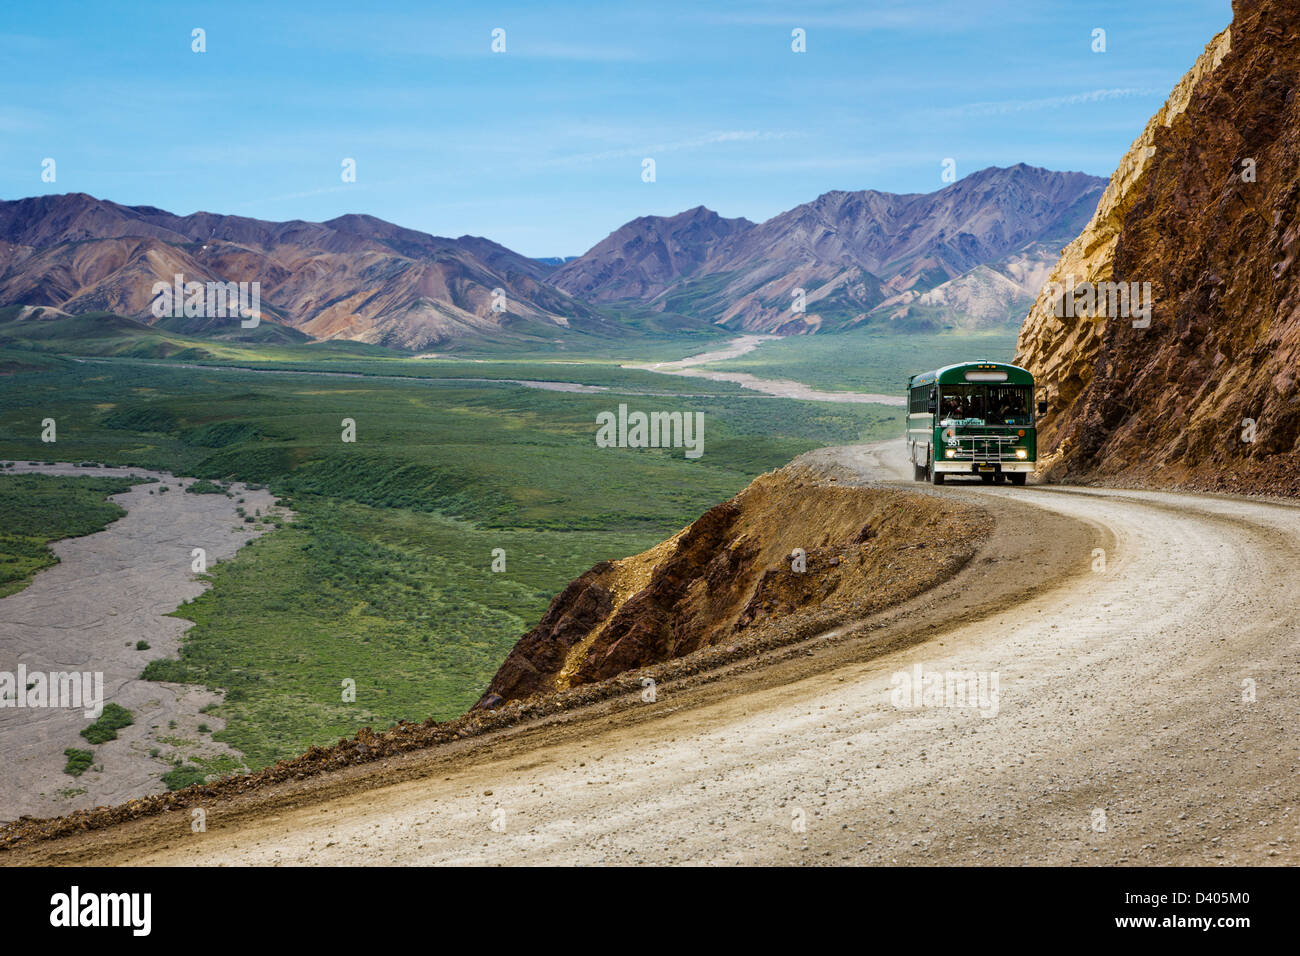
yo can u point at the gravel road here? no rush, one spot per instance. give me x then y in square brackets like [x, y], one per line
[1145, 714]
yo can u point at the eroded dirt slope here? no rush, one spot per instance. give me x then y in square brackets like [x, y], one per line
[790, 545]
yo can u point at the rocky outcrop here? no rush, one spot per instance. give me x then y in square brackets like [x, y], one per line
[1205, 208]
[1062, 351]
[735, 572]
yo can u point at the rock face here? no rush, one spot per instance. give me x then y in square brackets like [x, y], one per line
[1062, 352]
[355, 277]
[733, 571]
[858, 255]
[1206, 207]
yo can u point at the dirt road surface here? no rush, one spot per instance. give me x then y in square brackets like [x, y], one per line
[1148, 688]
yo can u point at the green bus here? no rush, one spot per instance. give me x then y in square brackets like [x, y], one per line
[976, 418]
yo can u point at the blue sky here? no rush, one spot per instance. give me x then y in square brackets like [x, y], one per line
[541, 147]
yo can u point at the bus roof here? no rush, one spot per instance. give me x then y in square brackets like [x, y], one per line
[957, 374]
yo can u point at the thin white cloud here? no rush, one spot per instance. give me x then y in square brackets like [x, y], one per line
[853, 162]
[930, 17]
[1003, 107]
[591, 53]
[357, 187]
[16, 119]
[712, 139]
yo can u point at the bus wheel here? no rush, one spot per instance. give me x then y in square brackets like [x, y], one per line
[1017, 477]
[936, 477]
[918, 472]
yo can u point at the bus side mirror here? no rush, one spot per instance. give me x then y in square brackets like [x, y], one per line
[1042, 408]
[932, 407]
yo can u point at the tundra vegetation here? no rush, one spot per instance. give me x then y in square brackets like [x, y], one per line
[105, 728]
[37, 509]
[79, 761]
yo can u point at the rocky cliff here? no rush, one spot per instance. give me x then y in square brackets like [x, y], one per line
[1205, 208]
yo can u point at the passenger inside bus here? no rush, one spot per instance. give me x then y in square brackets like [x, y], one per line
[960, 408]
[1012, 405]
[999, 405]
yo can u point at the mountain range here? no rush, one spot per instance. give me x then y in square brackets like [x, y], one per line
[973, 253]
[355, 277]
[857, 256]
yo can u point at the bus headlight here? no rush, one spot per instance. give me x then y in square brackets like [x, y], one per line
[950, 453]
[1021, 453]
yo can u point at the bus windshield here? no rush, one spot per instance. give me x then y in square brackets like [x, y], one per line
[988, 404]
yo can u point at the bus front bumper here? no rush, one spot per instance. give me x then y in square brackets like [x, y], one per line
[958, 467]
